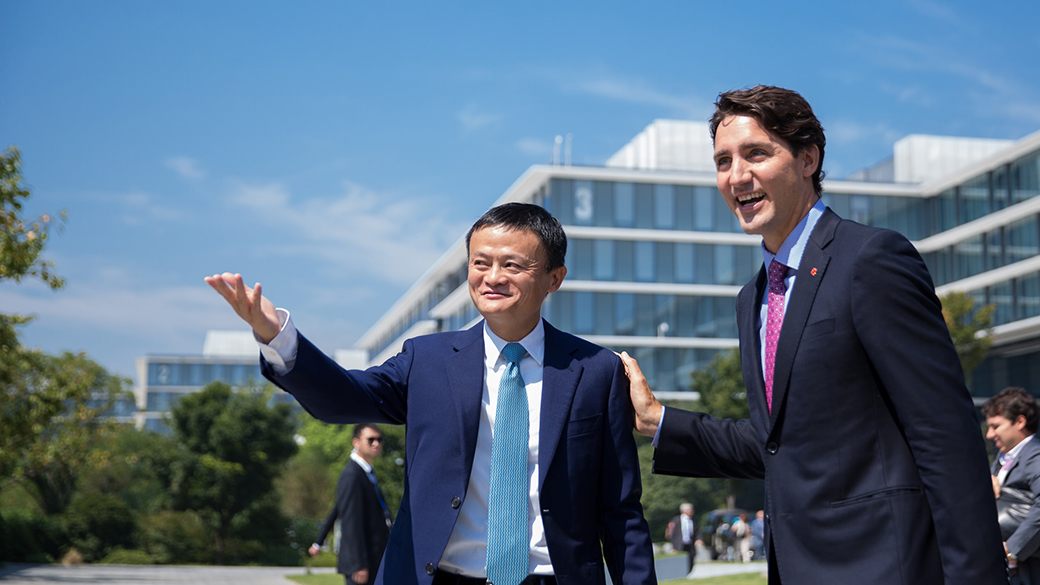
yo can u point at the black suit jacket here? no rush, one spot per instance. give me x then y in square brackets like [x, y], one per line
[676, 536]
[363, 529]
[874, 463]
[588, 470]
[1025, 475]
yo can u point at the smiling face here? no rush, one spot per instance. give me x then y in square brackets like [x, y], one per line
[766, 185]
[1004, 433]
[508, 281]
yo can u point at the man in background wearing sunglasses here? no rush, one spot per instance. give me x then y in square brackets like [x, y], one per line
[361, 509]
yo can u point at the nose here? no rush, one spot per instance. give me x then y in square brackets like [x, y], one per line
[496, 274]
[739, 172]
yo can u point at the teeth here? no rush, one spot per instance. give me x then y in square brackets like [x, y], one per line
[749, 198]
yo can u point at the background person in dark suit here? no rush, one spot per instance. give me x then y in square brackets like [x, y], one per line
[1012, 418]
[361, 510]
[874, 468]
[511, 382]
[684, 533]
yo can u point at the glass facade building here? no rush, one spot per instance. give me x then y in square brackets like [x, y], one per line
[655, 257]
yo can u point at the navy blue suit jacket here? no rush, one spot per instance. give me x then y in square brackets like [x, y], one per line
[873, 459]
[588, 468]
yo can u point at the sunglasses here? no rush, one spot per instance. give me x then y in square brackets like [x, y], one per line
[374, 440]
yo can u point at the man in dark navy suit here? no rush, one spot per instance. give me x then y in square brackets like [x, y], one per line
[861, 426]
[521, 462]
[364, 519]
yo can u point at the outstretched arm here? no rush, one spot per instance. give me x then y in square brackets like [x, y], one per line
[248, 303]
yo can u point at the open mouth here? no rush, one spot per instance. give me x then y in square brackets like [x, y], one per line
[750, 199]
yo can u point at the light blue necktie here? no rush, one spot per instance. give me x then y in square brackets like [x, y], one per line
[508, 544]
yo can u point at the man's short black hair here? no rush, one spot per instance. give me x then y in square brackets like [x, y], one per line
[360, 427]
[1012, 402]
[530, 217]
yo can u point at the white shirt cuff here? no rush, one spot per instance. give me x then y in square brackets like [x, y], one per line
[660, 423]
[281, 352]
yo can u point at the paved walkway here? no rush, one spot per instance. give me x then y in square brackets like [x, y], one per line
[18, 574]
[21, 574]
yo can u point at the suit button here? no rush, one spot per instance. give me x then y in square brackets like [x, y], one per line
[772, 447]
[456, 502]
[430, 569]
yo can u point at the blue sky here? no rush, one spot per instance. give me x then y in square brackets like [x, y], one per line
[333, 150]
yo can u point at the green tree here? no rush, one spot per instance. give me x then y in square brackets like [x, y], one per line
[23, 407]
[228, 448]
[67, 399]
[969, 328]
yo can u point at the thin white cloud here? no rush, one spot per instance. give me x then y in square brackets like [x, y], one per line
[473, 118]
[846, 131]
[186, 167]
[138, 208]
[628, 89]
[357, 230]
[534, 147]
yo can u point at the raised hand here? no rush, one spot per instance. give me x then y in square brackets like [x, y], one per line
[647, 408]
[248, 303]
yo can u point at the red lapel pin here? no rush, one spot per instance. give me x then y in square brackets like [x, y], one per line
[812, 272]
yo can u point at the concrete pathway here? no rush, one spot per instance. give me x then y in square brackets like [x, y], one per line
[23, 574]
[19, 574]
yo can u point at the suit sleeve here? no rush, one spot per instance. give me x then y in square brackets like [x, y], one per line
[333, 394]
[693, 444]
[1025, 542]
[352, 551]
[326, 526]
[627, 548]
[899, 322]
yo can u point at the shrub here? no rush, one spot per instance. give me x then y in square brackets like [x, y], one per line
[98, 524]
[176, 538]
[30, 537]
[128, 557]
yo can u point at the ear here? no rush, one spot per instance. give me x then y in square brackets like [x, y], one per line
[1020, 422]
[810, 159]
[556, 278]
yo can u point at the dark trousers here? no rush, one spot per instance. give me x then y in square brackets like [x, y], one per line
[442, 578]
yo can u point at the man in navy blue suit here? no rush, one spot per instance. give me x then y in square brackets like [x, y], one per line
[470, 399]
[874, 467]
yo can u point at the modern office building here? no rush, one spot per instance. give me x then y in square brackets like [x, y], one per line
[655, 257]
[231, 357]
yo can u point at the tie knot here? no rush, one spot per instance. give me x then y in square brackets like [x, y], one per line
[513, 352]
[776, 273]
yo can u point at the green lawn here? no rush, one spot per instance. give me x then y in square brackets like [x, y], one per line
[744, 579]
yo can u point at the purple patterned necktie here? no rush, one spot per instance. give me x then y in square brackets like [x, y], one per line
[774, 321]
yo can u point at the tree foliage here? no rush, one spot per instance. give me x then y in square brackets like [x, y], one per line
[969, 328]
[228, 448]
[21, 240]
[57, 408]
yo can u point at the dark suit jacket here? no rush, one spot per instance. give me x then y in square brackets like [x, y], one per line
[1025, 475]
[363, 530]
[874, 463]
[588, 469]
[676, 536]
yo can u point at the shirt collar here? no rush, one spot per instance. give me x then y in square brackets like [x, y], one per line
[358, 459]
[1018, 448]
[791, 251]
[534, 343]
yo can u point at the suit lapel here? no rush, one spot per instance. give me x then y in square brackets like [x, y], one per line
[811, 271]
[466, 384]
[560, 376]
[748, 310]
